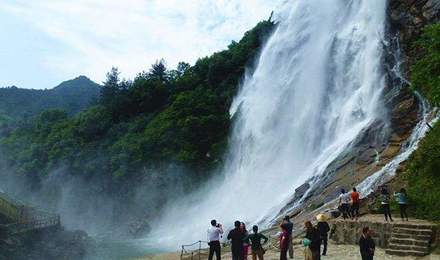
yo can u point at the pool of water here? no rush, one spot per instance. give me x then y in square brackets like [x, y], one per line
[108, 249]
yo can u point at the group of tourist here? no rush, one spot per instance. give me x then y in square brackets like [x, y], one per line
[315, 236]
[402, 200]
[349, 204]
[240, 239]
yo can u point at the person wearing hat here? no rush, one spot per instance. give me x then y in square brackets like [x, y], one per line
[323, 229]
[288, 226]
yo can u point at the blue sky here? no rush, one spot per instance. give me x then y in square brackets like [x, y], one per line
[43, 42]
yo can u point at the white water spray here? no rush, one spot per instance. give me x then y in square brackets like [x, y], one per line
[316, 87]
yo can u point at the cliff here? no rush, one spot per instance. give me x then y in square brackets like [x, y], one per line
[385, 139]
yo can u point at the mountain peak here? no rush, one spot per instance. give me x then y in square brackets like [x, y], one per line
[80, 81]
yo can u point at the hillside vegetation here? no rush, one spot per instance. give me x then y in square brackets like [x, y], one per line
[423, 171]
[72, 96]
[162, 117]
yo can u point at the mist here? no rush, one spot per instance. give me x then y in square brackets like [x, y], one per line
[87, 203]
[317, 86]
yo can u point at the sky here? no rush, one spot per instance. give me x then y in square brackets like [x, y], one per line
[44, 42]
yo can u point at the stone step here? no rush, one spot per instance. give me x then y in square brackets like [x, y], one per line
[411, 231]
[411, 236]
[410, 241]
[414, 226]
[408, 247]
[405, 252]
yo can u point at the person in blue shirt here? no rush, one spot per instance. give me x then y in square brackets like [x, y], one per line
[402, 199]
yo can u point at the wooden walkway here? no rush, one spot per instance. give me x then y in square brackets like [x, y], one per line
[21, 218]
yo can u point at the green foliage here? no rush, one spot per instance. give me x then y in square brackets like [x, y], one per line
[423, 177]
[162, 116]
[72, 96]
[425, 74]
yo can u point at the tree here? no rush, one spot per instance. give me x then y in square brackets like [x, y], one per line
[111, 87]
[158, 71]
[425, 73]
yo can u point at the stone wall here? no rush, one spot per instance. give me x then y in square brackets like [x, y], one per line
[349, 232]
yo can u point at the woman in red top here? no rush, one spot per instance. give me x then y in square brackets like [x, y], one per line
[354, 204]
[284, 243]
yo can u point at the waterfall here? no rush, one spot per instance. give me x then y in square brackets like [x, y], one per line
[317, 85]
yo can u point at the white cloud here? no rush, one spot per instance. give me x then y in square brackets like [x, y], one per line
[132, 34]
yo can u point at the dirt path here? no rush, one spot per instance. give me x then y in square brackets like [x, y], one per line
[335, 252]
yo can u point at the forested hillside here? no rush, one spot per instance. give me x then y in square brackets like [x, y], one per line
[140, 127]
[423, 171]
[72, 96]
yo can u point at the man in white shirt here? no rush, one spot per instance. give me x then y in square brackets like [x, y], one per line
[344, 204]
[214, 234]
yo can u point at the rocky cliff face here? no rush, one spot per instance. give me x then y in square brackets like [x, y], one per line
[407, 19]
[384, 140]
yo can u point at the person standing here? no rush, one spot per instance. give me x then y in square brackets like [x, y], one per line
[323, 229]
[214, 233]
[284, 243]
[402, 199]
[354, 204]
[236, 237]
[344, 203]
[366, 244]
[256, 246]
[288, 226]
[385, 204]
[312, 234]
[245, 241]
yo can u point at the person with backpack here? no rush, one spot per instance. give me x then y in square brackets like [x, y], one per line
[323, 229]
[237, 237]
[354, 195]
[214, 233]
[385, 204]
[402, 199]
[256, 246]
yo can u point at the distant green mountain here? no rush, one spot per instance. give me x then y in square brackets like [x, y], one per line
[72, 96]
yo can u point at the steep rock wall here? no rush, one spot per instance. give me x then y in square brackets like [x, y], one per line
[384, 140]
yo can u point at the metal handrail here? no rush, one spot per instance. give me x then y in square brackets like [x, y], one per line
[192, 252]
[25, 217]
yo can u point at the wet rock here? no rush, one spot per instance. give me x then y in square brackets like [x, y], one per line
[301, 190]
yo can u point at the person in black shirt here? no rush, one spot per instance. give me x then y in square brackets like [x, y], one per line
[288, 226]
[256, 246]
[312, 234]
[323, 229]
[237, 237]
[366, 244]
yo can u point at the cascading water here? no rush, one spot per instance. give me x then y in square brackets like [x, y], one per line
[316, 87]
